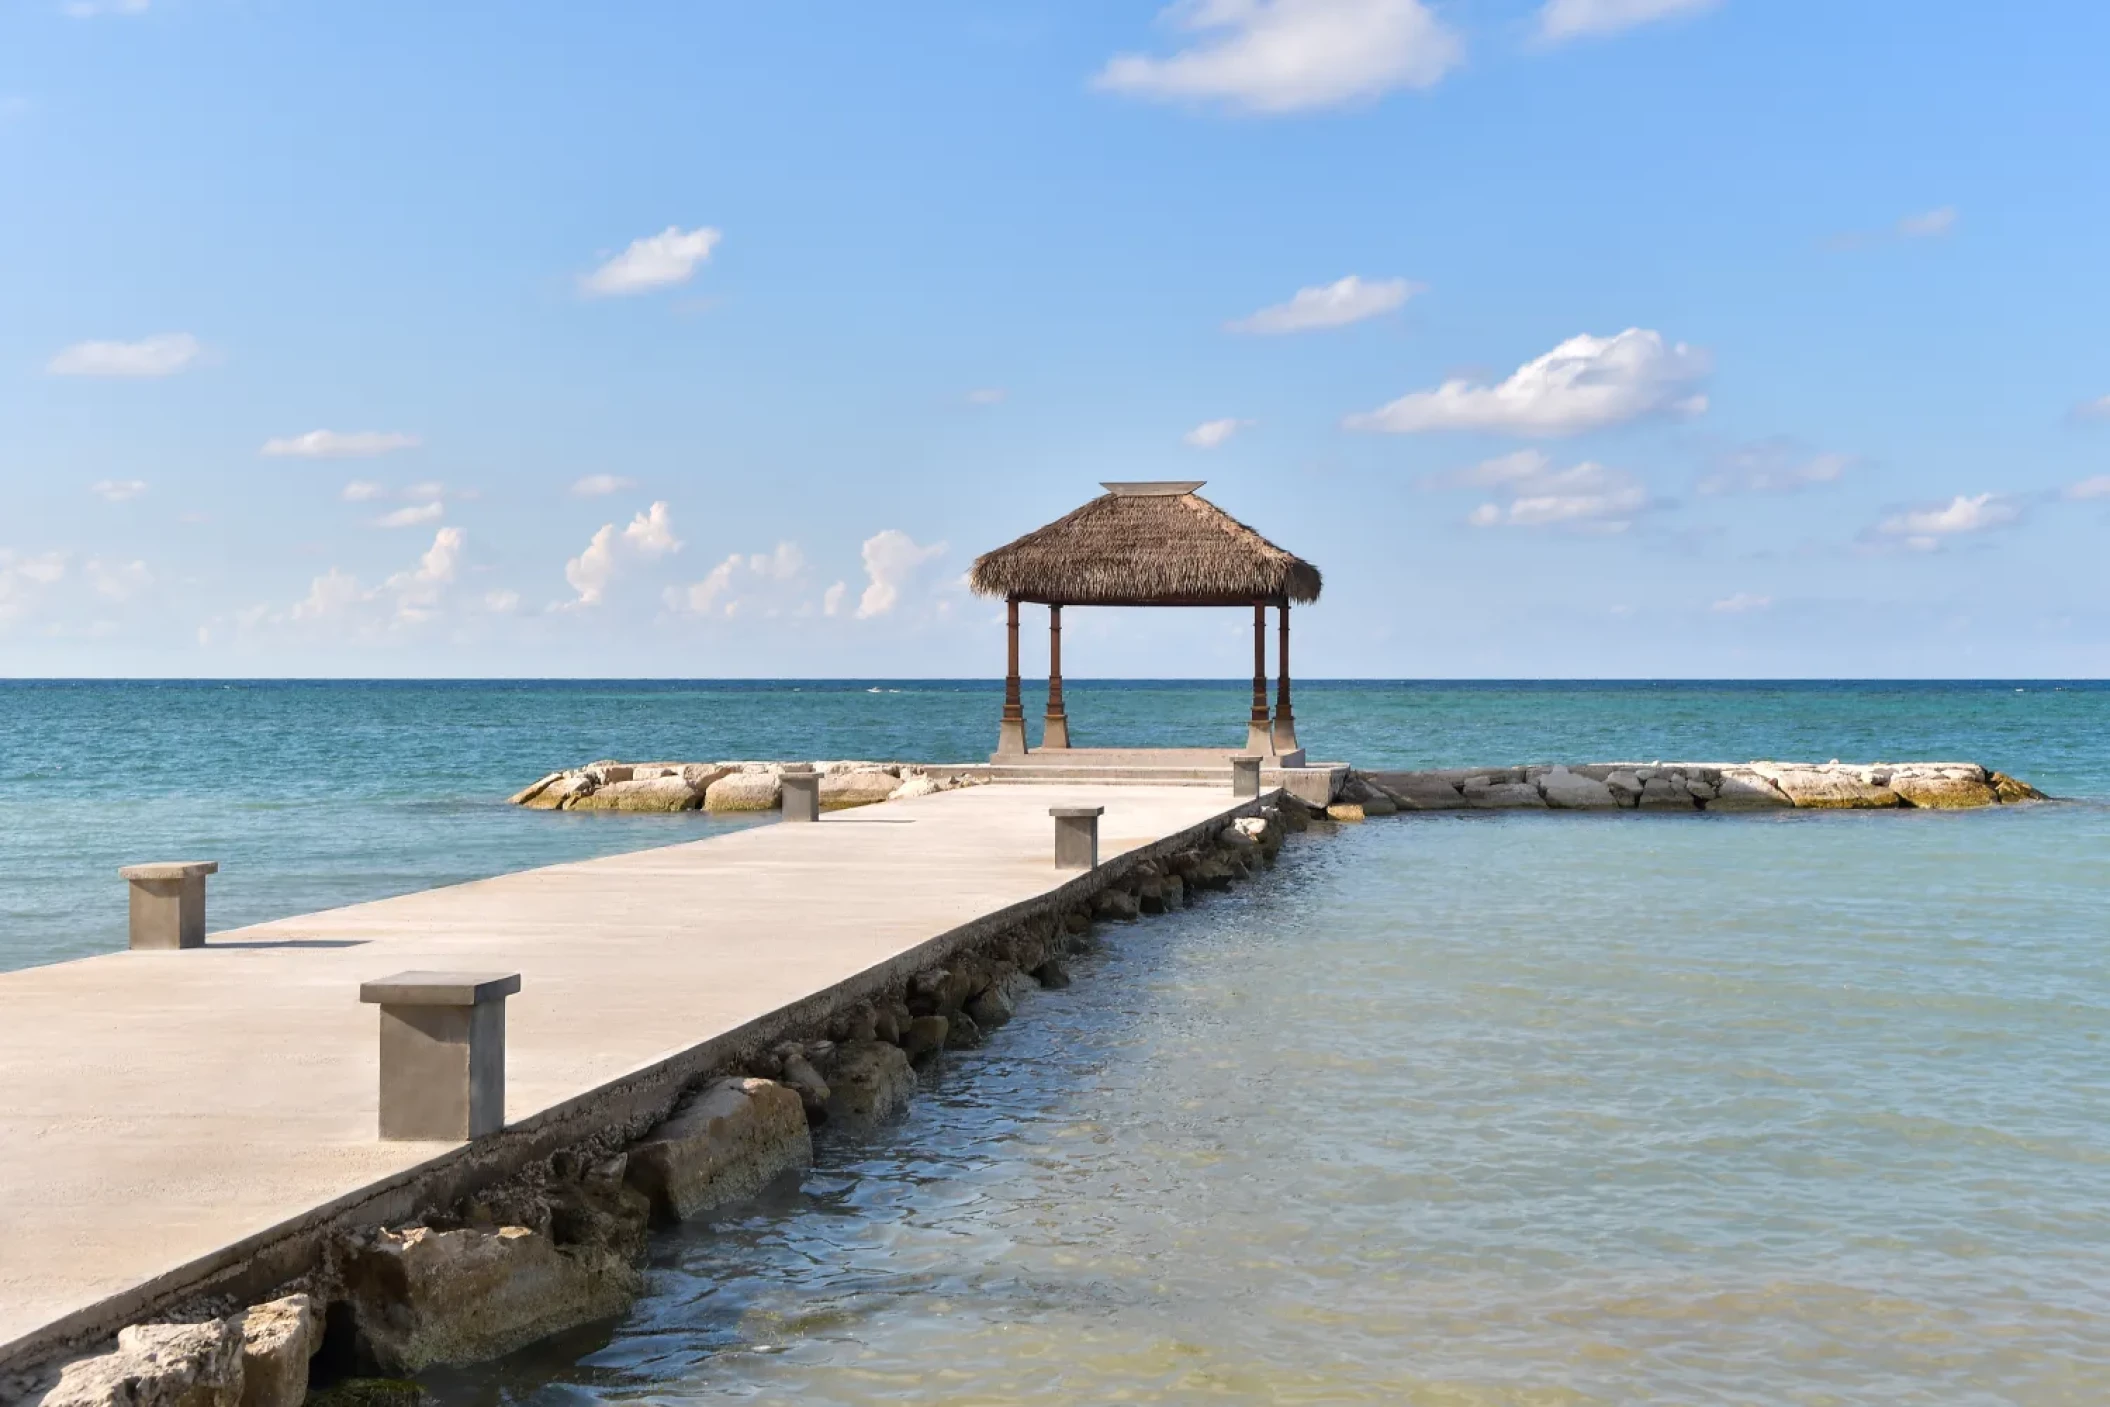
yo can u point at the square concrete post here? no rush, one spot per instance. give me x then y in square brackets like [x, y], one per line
[1076, 836]
[168, 902]
[1245, 774]
[802, 794]
[443, 1053]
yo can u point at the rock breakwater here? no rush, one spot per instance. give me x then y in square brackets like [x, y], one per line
[1690, 786]
[722, 786]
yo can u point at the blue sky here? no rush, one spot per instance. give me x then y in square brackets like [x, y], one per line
[1592, 337]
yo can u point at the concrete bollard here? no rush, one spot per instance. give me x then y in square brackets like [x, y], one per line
[443, 1053]
[802, 795]
[1076, 836]
[168, 902]
[1245, 774]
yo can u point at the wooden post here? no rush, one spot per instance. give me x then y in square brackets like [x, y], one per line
[1285, 720]
[1011, 732]
[1056, 727]
[1257, 735]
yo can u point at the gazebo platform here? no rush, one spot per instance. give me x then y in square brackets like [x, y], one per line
[1316, 783]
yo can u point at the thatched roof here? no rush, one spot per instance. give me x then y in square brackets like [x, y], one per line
[1147, 544]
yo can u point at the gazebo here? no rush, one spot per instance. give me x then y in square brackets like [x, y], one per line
[1158, 543]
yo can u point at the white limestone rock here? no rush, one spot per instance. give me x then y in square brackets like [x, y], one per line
[666, 793]
[421, 1297]
[278, 1339]
[913, 785]
[745, 790]
[849, 787]
[1743, 789]
[1827, 788]
[1943, 786]
[1571, 791]
[727, 1144]
[158, 1365]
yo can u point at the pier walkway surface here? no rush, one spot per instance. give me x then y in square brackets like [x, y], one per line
[160, 1110]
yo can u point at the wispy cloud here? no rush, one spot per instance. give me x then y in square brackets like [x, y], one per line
[1560, 20]
[118, 490]
[2095, 409]
[1925, 528]
[1277, 56]
[2097, 486]
[338, 603]
[1335, 304]
[656, 261]
[1211, 433]
[600, 485]
[362, 491]
[1923, 224]
[416, 515]
[91, 9]
[162, 355]
[339, 444]
[1742, 603]
[1586, 383]
[720, 591]
[1532, 493]
[24, 578]
[987, 395]
[1774, 466]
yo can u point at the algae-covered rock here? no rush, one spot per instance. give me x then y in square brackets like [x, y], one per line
[368, 1392]
[872, 1081]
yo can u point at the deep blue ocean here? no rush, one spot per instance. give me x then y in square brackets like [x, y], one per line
[315, 794]
[1804, 1107]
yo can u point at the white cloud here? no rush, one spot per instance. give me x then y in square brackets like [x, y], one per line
[987, 395]
[1742, 602]
[1277, 56]
[1211, 433]
[656, 261]
[891, 561]
[1774, 466]
[1334, 304]
[501, 603]
[1928, 224]
[1578, 19]
[2097, 409]
[362, 491]
[600, 485]
[2095, 487]
[1585, 497]
[590, 572]
[1586, 383]
[333, 593]
[162, 355]
[832, 598]
[782, 564]
[430, 489]
[1923, 529]
[89, 9]
[650, 534]
[417, 591]
[118, 490]
[337, 444]
[416, 515]
[117, 581]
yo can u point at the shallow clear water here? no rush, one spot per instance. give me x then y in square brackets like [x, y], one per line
[1484, 1109]
[1475, 1110]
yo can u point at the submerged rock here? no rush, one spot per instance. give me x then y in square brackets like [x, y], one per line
[726, 1144]
[925, 1036]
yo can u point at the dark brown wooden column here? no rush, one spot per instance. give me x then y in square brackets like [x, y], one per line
[1258, 735]
[1011, 732]
[1285, 720]
[1056, 729]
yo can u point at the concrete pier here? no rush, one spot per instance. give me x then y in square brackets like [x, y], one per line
[177, 1122]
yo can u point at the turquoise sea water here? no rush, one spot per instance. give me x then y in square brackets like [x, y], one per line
[1451, 1109]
